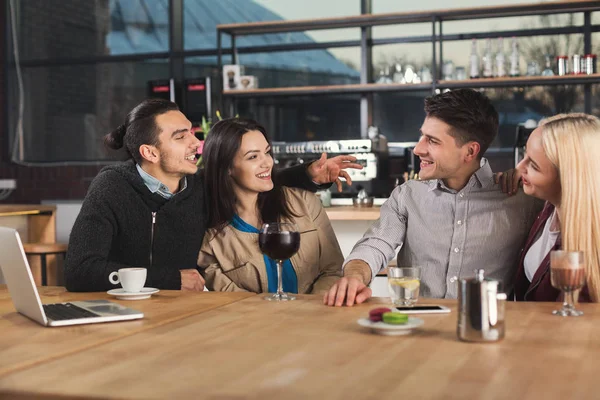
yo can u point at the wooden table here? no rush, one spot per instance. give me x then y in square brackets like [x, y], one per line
[24, 343]
[257, 349]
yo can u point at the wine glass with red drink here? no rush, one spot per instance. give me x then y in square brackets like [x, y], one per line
[567, 273]
[279, 241]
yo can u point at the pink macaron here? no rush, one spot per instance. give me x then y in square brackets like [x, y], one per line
[375, 314]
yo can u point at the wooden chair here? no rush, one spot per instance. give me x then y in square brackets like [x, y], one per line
[43, 250]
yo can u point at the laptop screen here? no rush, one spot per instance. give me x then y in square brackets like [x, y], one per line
[18, 277]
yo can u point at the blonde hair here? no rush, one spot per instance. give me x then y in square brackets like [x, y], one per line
[572, 143]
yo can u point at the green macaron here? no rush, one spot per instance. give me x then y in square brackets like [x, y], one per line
[395, 318]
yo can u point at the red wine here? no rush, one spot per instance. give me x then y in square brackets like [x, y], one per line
[279, 245]
[567, 279]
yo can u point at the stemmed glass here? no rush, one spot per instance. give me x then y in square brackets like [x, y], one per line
[567, 273]
[279, 241]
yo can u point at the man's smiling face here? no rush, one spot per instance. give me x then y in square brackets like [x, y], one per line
[441, 156]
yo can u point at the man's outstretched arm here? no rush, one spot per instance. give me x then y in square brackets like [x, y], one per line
[319, 174]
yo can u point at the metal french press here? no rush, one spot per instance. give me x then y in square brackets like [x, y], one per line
[480, 309]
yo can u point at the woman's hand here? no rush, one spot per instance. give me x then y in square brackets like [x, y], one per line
[326, 170]
[509, 180]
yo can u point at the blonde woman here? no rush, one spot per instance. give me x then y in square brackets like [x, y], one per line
[562, 167]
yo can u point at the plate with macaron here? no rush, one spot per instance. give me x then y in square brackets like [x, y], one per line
[385, 321]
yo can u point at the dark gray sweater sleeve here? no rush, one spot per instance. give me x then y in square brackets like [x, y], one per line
[297, 177]
[87, 264]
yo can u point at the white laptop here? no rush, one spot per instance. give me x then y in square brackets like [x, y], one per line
[26, 299]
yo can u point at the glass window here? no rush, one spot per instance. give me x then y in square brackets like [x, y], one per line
[399, 115]
[596, 50]
[303, 118]
[194, 103]
[68, 109]
[138, 26]
[202, 17]
[80, 28]
[294, 118]
[395, 61]
[302, 67]
[389, 6]
[458, 51]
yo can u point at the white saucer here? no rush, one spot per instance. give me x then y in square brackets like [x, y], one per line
[388, 329]
[121, 294]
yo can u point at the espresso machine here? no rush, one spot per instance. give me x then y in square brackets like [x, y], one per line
[372, 154]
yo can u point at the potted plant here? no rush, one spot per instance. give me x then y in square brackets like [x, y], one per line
[205, 128]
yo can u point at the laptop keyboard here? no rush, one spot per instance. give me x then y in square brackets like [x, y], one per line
[64, 311]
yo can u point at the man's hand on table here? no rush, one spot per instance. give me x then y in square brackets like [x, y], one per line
[349, 289]
[352, 288]
[191, 280]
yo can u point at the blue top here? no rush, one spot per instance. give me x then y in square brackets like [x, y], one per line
[288, 278]
[156, 186]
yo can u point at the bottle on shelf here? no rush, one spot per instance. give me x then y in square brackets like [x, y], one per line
[500, 70]
[577, 64]
[448, 71]
[590, 64]
[533, 69]
[474, 61]
[425, 74]
[384, 76]
[514, 59]
[410, 75]
[397, 76]
[548, 68]
[562, 65]
[488, 63]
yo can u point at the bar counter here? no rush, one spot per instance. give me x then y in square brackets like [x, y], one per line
[36, 223]
[351, 213]
[242, 347]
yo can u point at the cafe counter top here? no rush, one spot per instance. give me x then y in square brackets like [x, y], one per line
[351, 213]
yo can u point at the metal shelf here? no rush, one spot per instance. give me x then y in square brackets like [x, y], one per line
[521, 81]
[398, 87]
[329, 89]
[368, 20]
[436, 18]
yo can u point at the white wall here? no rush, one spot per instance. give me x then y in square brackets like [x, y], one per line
[66, 213]
[18, 222]
[348, 233]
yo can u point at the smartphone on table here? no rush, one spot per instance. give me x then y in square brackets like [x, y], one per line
[424, 309]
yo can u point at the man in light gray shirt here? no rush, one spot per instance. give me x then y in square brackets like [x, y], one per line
[455, 219]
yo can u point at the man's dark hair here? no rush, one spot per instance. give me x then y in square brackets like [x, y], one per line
[471, 115]
[220, 148]
[139, 127]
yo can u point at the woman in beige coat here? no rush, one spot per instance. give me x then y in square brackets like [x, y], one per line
[237, 168]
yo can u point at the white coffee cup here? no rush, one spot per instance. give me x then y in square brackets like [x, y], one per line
[132, 279]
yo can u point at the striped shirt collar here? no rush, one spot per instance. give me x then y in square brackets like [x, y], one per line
[156, 186]
[483, 178]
